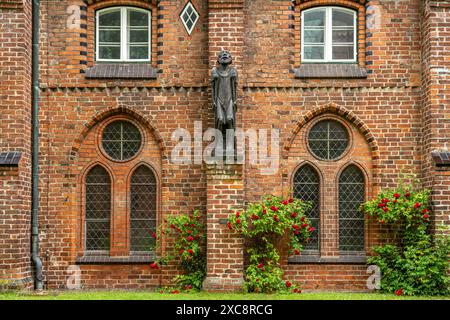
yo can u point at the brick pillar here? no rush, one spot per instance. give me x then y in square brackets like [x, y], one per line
[436, 104]
[225, 261]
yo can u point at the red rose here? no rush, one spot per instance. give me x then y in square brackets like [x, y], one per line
[291, 200]
[275, 217]
[188, 287]
[190, 238]
[260, 266]
[238, 214]
[190, 251]
[382, 221]
[385, 200]
[407, 195]
[425, 210]
[399, 292]
[294, 215]
[296, 251]
[304, 225]
[175, 292]
[154, 265]
[181, 251]
[417, 205]
[381, 205]
[172, 226]
[288, 284]
[254, 217]
[192, 225]
[273, 208]
[264, 211]
[302, 219]
[385, 209]
[308, 239]
[311, 229]
[238, 221]
[425, 216]
[189, 232]
[296, 232]
[229, 225]
[295, 226]
[285, 202]
[396, 195]
[153, 235]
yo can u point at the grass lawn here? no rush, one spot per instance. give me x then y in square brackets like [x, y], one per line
[147, 295]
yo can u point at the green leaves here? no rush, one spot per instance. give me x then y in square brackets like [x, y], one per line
[265, 223]
[189, 238]
[416, 265]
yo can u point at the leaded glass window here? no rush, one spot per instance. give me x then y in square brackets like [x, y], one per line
[329, 35]
[121, 140]
[98, 209]
[123, 34]
[351, 219]
[328, 139]
[143, 209]
[189, 16]
[307, 188]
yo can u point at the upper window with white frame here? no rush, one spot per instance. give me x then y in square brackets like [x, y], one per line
[329, 35]
[123, 34]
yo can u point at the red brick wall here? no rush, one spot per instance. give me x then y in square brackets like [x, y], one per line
[383, 112]
[15, 125]
[436, 102]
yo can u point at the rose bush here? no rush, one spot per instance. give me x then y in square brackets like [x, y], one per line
[416, 264]
[188, 248]
[264, 224]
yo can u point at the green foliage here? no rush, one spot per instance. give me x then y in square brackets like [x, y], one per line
[265, 223]
[415, 265]
[188, 248]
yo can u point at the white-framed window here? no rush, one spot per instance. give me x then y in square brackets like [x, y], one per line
[329, 34]
[189, 17]
[123, 34]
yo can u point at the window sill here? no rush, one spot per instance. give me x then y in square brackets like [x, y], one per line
[98, 259]
[121, 71]
[330, 70]
[308, 259]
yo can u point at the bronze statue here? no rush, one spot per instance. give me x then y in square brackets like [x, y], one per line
[224, 84]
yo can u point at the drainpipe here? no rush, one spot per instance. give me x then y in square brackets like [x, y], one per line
[38, 276]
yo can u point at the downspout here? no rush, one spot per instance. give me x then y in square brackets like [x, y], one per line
[38, 276]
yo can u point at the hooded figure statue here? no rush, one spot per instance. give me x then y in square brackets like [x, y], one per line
[224, 84]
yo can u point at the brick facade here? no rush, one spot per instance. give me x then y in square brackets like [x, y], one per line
[394, 102]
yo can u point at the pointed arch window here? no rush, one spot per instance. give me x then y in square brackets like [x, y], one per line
[143, 196]
[98, 209]
[307, 188]
[351, 219]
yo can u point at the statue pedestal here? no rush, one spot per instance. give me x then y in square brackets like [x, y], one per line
[225, 260]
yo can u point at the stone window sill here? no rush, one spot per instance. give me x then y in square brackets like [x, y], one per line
[121, 71]
[325, 70]
[99, 259]
[309, 259]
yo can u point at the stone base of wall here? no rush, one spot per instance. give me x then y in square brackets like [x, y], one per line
[217, 284]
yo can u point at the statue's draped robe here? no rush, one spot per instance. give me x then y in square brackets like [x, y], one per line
[224, 95]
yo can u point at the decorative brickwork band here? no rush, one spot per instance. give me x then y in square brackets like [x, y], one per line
[225, 261]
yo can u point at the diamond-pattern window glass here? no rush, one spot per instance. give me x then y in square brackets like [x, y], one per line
[307, 188]
[189, 16]
[98, 209]
[351, 219]
[143, 209]
[121, 140]
[328, 139]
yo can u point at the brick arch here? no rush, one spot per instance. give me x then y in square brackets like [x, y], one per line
[112, 2]
[101, 116]
[310, 3]
[341, 112]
